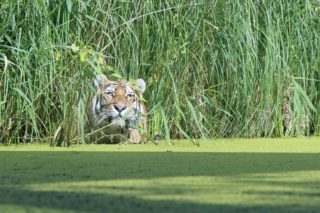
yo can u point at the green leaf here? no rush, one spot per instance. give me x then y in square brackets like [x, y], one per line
[23, 95]
[69, 5]
[83, 55]
[142, 99]
[305, 97]
[74, 48]
[195, 117]
[6, 62]
[116, 75]
[110, 68]
[166, 128]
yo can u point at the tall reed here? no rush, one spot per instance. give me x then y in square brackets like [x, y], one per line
[214, 68]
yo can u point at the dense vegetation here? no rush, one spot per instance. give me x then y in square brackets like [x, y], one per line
[221, 68]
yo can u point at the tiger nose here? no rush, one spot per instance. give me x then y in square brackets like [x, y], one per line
[120, 107]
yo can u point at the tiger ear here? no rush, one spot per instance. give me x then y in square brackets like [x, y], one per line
[99, 80]
[141, 84]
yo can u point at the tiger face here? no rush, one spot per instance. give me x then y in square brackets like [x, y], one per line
[116, 105]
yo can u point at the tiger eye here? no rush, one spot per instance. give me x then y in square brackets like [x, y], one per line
[110, 93]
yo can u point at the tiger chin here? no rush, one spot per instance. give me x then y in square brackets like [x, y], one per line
[116, 112]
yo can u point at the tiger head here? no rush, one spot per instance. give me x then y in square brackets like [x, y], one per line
[117, 102]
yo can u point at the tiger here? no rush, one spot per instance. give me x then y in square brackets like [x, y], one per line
[117, 112]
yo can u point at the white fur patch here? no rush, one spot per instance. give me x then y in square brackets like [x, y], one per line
[98, 81]
[111, 88]
[141, 84]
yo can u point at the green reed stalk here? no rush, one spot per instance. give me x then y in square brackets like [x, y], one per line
[213, 68]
